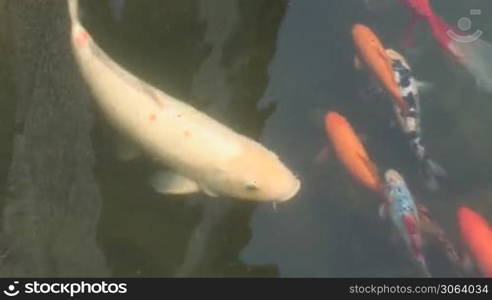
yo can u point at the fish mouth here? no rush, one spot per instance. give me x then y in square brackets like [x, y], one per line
[293, 192]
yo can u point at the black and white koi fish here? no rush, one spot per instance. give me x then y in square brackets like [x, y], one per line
[409, 122]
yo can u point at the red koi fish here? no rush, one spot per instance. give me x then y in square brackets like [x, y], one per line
[473, 53]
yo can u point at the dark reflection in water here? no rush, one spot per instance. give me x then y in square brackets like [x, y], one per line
[50, 200]
[269, 70]
[214, 55]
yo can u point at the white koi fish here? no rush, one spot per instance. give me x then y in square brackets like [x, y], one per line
[204, 154]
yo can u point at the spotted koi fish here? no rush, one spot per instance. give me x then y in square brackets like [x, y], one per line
[403, 213]
[409, 122]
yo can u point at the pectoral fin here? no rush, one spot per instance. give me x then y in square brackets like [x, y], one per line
[165, 182]
[467, 264]
[358, 63]
[209, 192]
[392, 54]
[383, 211]
[126, 150]
[424, 87]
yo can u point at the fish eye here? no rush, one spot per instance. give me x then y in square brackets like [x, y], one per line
[251, 186]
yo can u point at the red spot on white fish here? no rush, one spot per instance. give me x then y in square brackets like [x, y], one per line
[152, 117]
[81, 38]
[187, 133]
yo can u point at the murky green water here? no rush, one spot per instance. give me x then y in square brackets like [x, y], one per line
[270, 70]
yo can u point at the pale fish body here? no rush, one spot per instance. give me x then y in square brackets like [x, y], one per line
[403, 213]
[204, 154]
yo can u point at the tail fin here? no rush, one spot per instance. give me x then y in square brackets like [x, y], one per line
[442, 33]
[475, 55]
[73, 10]
[432, 171]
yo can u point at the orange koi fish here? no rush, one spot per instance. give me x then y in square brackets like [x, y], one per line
[351, 152]
[372, 54]
[477, 234]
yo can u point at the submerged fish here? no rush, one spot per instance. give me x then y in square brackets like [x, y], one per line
[372, 55]
[470, 51]
[477, 235]
[204, 154]
[404, 215]
[409, 122]
[433, 233]
[351, 152]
